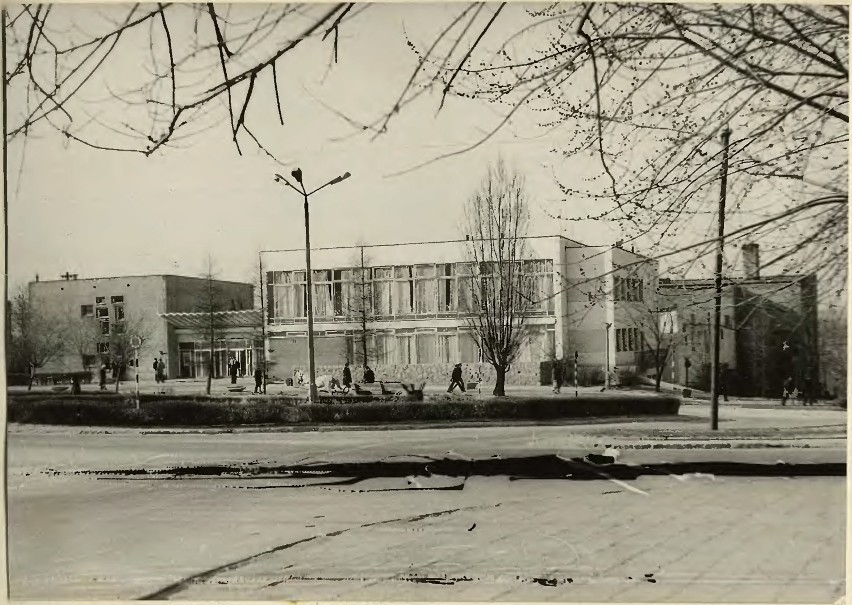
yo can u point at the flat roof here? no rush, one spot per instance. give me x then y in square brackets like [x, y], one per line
[62, 280]
[247, 318]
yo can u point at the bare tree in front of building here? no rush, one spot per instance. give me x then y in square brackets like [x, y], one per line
[34, 336]
[500, 293]
[211, 302]
[656, 338]
[82, 335]
[121, 336]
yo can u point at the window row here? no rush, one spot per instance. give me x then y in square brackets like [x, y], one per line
[629, 339]
[101, 311]
[629, 289]
[407, 290]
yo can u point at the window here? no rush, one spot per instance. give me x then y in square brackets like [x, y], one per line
[468, 349]
[403, 291]
[629, 289]
[447, 347]
[100, 300]
[103, 347]
[628, 339]
[425, 289]
[103, 312]
[427, 347]
[119, 312]
[105, 327]
[116, 300]
[87, 310]
[446, 288]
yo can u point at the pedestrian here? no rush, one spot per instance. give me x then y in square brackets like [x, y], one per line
[808, 396]
[347, 375]
[369, 376]
[235, 370]
[723, 383]
[156, 370]
[788, 390]
[456, 378]
[301, 376]
[102, 377]
[556, 375]
[258, 380]
[161, 370]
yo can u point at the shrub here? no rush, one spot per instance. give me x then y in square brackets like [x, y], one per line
[191, 410]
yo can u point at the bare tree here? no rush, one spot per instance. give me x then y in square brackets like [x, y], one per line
[82, 335]
[359, 304]
[121, 336]
[643, 90]
[34, 336]
[656, 337]
[500, 292]
[211, 304]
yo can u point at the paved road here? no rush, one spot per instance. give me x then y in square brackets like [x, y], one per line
[214, 535]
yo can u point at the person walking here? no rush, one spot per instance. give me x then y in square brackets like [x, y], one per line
[161, 370]
[102, 377]
[258, 380]
[347, 375]
[456, 379]
[556, 375]
[156, 367]
[808, 396]
[235, 370]
[788, 390]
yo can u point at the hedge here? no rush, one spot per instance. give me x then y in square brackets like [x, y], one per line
[194, 410]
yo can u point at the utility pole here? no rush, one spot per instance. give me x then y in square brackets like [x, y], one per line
[364, 298]
[606, 374]
[717, 309]
[262, 319]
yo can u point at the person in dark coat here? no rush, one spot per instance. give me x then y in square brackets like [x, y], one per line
[456, 379]
[788, 390]
[161, 370]
[235, 370]
[556, 375]
[258, 380]
[156, 370]
[102, 377]
[369, 376]
[347, 375]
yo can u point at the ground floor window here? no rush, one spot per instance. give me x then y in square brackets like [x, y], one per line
[195, 357]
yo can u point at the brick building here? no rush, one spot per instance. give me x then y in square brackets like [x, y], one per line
[769, 328]
[405, 304]
[112, 302]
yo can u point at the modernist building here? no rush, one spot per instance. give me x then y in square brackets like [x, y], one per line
[153, 301]
[769, 328]
[405, 305]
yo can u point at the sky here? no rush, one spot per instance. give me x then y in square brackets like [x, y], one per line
[98, 213]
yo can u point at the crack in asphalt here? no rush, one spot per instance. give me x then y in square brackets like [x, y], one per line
[184, 583]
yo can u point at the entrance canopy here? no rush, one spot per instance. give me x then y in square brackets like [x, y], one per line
[249, 318]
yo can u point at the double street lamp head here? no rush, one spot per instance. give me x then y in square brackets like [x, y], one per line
[297, 175]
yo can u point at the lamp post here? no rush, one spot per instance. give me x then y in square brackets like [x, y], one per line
[606, 374]
[297, 176]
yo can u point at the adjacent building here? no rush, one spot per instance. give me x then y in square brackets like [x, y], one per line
[104, 307]
[769, 329]
[402, 309]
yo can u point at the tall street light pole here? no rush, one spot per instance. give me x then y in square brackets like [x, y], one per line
[297, 176]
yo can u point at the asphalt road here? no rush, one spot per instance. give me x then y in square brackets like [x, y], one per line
[123, 513]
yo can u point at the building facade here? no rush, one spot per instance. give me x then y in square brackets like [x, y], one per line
[769, 328]
[111, 304]
[404, 309]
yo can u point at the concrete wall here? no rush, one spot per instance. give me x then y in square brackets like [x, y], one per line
[185, 294]
[144, 298]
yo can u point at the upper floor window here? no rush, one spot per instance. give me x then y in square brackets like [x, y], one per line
[102, 312]
[629, 289]
[116, 299]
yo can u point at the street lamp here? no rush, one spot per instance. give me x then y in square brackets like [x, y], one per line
[297, 176]
[606, 374]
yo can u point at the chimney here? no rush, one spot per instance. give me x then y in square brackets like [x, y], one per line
[751, 261]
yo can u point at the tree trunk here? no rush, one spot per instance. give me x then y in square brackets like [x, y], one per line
[500, 383]
[657, 379]
[117, 378]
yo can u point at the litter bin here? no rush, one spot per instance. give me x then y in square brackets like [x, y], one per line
[289, 382]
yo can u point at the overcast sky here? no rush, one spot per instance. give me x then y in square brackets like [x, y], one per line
[99, 213]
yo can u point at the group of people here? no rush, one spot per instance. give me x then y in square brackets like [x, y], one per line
[331, 383]
[791, 392]
[159, 370]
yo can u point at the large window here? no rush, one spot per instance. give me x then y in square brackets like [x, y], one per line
[628, 339]
[400, 290]
[629, 289]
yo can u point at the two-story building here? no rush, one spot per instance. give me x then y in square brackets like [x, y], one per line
[406, 307]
